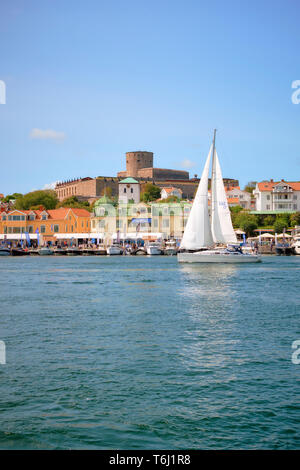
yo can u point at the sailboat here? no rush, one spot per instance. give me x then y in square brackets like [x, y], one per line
[211, 240]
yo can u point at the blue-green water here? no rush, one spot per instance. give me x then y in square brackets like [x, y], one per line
[139, 353]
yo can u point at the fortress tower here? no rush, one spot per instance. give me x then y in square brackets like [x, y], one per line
[136, 161]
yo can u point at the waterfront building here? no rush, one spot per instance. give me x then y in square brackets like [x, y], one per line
[276, 197]
[143, 220]
[47, 225]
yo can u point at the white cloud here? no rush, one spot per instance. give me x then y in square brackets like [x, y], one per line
[50, 185]
[187, 163]
[47, 134]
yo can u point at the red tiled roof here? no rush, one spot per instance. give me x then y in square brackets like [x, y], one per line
[54, 213]
[233, 200]
[169, 190]
[269, 185]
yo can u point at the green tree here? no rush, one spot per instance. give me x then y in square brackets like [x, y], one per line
[11, 197]
[295, 219]
[280, 224]
[235, 210]
[150, 193]
[247, 222]
[170, 199]
[74, 202]
[46, 198]
[269, 220]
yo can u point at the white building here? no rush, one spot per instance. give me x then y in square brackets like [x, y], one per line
[236, 196]
[167, 192]
[279, 196]
[129, 191]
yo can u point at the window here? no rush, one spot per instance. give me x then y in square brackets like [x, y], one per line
[155, 223]
[131, 190]
[31, 217]
[66, 228]
[268, 207]
[44, 217]
[166, 223]
[30, 229]
[124, 190]
[295, 196]
[268, 197]
[295, 206]
[56, 228]
[43, 228]
[72, 228]
[4, 217]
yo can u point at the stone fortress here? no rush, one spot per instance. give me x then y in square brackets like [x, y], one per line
[139, 165]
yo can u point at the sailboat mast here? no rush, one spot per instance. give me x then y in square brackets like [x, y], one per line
[213, 178]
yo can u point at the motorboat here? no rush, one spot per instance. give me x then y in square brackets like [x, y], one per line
[114, 250]
[170, 248]
[154, 248]
[296, 245]
[45, 251]
[203, 235]
[4, 251]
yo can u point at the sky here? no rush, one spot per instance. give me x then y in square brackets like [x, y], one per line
[88, 81]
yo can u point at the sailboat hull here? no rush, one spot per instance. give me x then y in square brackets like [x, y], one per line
[217, 257]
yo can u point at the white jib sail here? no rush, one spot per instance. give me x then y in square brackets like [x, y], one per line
[197, 233]
[221, 225]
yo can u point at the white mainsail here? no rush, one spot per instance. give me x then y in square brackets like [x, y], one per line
[221, 225]
[197, 233]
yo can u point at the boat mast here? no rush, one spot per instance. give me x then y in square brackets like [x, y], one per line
[213, 177]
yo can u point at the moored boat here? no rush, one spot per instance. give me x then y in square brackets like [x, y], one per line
[4, 251]
[19, 252]
[114, 250]
[170, 248]
[154, 249]
[45, 251]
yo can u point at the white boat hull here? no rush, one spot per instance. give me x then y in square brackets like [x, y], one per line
[209, 257]
[154, 250]
[113, 250]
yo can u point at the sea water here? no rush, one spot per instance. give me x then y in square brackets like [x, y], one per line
[143, 352]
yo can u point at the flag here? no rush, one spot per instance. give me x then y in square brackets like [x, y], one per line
[244, 239]
[38, 237]
[28, 239]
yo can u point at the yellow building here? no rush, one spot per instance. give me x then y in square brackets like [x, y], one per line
[50, 224]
